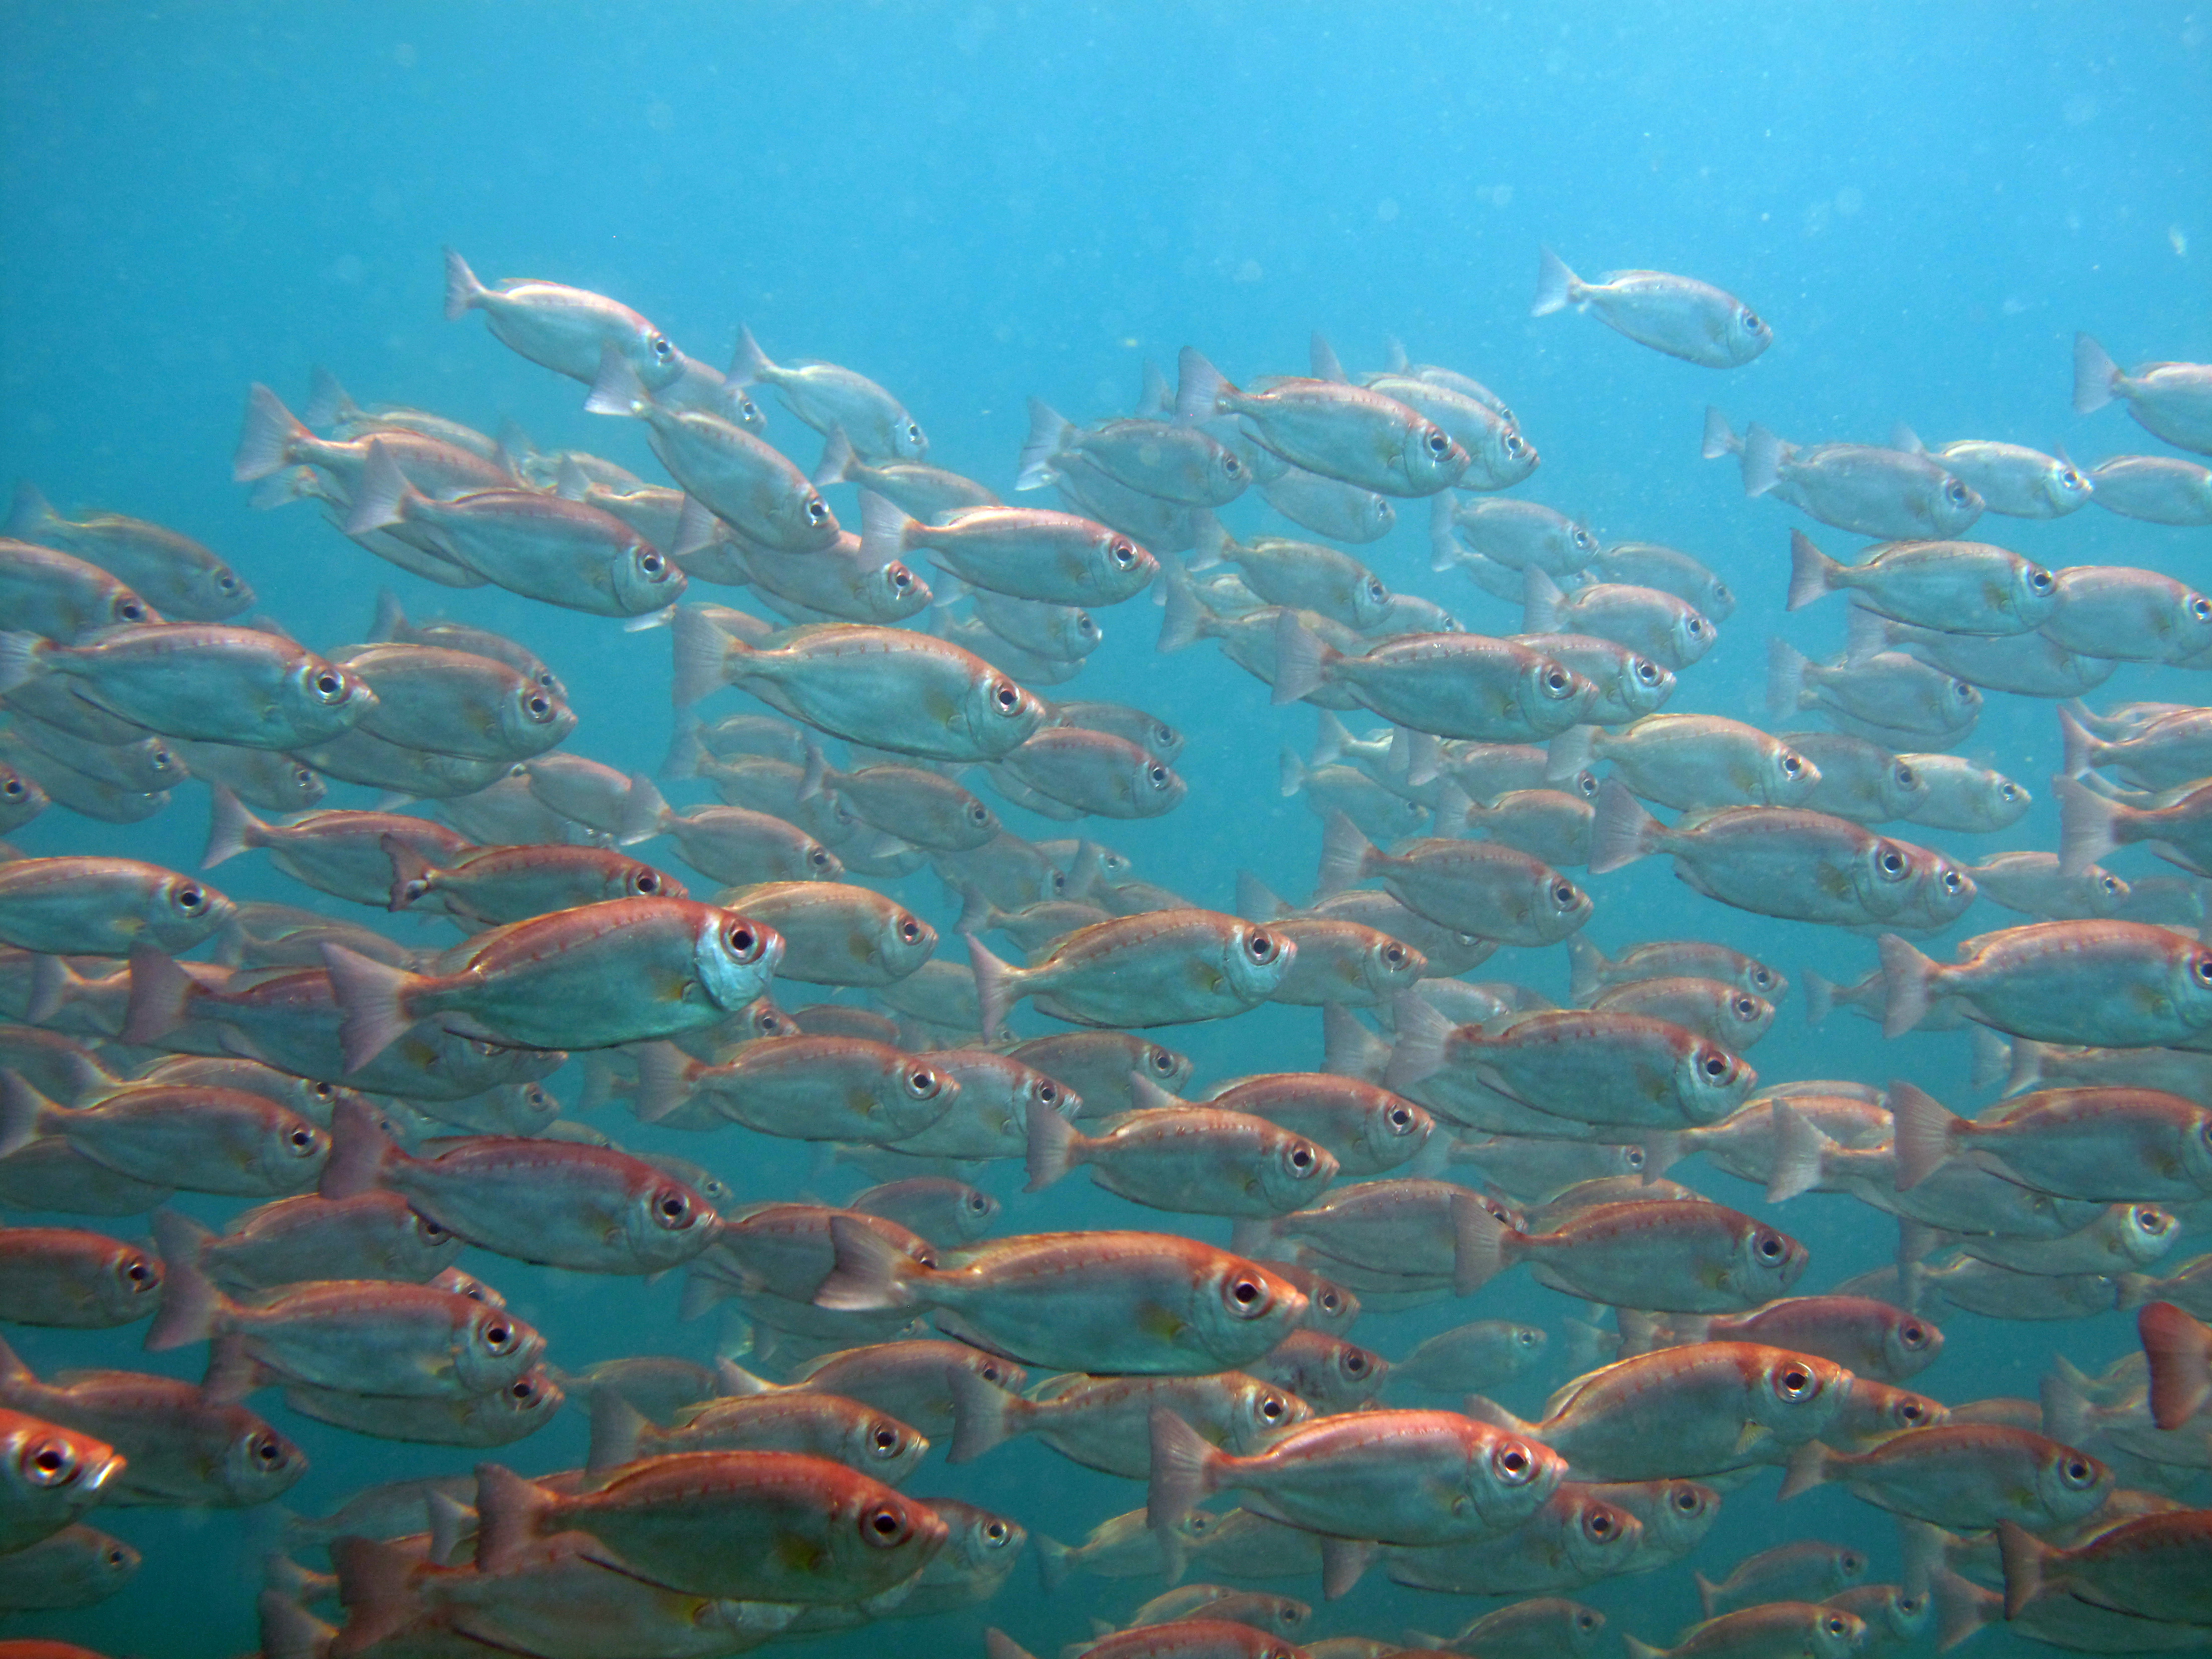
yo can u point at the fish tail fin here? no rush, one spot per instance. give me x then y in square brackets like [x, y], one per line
[1908, 980]
[1055, 1147]
[1200, 388]
[463, 291]
[1183, 1465]
[2021, 1554]
[2178, 1351]
[1799, 1152]
[192, 1308]
[1211, 549]
[448, 1518]
[616, 389]
[22, 1109]
[1720, 436]
[231, 829]
[327, 402]
[886, 532]
[360, 1150]
[663, 1083]
[1762, 460]
[1425, 755]
[1329, 738]
[1811, 573]
[1641, 1333]
[1344, 1562]
[1903, 437]
[264, 445]
[390, 622]
[1924, 1128]
[54, 985]
[1962, 1607]
[510, 1512]
[617, 1426]
[1255, 902]
[1586, 966]
[749, 365]
[1345, 851]
[160, 992]
[1866, 633]
[1349, 1049]
[1481, 1245]
[1300, 657]
[376, 1586]
[1992, 1058]
[836, 466]
[1540, 602]
[697, 529]
[2065, 1405]
[1708, 1592]
[1055, 1562]
[1181, 614]
[997, 1644]
[2081, 745]
[411, 873]
[1048, 430]
[1482, 1409]
[682, 760]
[1422, 1032]
[1444, 548]
[872, 1273]
[1637, 1649]
[1621, 831]
[2026, 1066]
[1662, 1150]
[1557, 287]
[984, 1415]
[287, 1630]
[382, 498]
[997, 986]
[739, 1383]
[19, 659]
[2089, 824]
[703, 654]
[1568, 753]
[1785, 678]
[2095, 376]
[644, 812]
[29, 511]
[977, 913]
[1819, 998]
[372, 998]
[1808, 1467]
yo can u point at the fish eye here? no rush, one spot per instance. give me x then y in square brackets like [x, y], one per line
[1586, 1620]
[1261, 946]
[645, 883]
[303, 776]
[742, 940]
[1793, 764]
[1355, 1363]
[818, 510]
[978, 1204]
[914, 434]
[1746, 1008]
[661, 348]
[901, 577]
[539, 705]
[266, 1450]
[523, 1389]
[2040, 581]
[886, 1441]
[431, 1231]
[1514, 446]
[1632, 1157]
[1005, 696]
[131, 610]
[13, 788]
[2202, 967]
[1909, 1411]
[1586, 784]
[1439, 446]
[302, 1140]
[1557, 682]
[1689, 1501]
[139, 1271]
[1302, 1156]
[672, 1207]
[1834, 1624]
[1273, 1408]
[1955, 492]
[328, 685]
[819, 858]
[1048, 1092]
[2153, 1222]
[1516, 1465]
[1852, 1563]
[1394, 954]
[1715, 1065]
[49, 1463]
[1122, 551]
[1890, 862]
[1752, 325]
[910, 931]
[499, 1336]
[885, 1526]
[1162, 1062]
[921, 1084]
[1913, 1334]
[650, 562]
[1247, 1297]
[1598, 1525]
[2010, 792]
[1953, 882]
[994, 1533]
[2076, 1472]
[1771, 1247]
[1564, 894]
[1376, 591]
[1694, 627]
[1585, 542]
[1231, 465]
[1157, 775]
[192, 898]
[1647, 670]
[1794, 1382]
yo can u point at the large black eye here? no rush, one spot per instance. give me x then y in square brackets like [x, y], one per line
[1585, 542]
[1632, 1157]
[645, 883]
[1599, 1526]
[1694, 627]
[818, 510]
[1048, 1092]
[913, 435]
[1557, 682]
[1688, 1501]
[661, 348]
[1714, 1066]
[499, 1336]
[1302, 1156]
[921, 1083]
[1746, 1009]
[330, 685]
[1647, 671]
[2040, 581]
[301, 1139]
[1439, 446]
[1763, 978]
[1955, 492]
[139, 1271]
[977, 1202]
[910, 931]
[131, 610]
[1890, 861]
[672, 1207]
[885, 1526]
[1231, 465]
[1771, 1247]
[1162, 1062]
[819, 858]
[1273, 1408]
[650, 562]
[431, 1231]
[2077, 1471]
[1157, 775]
[1564, 894]
[1953, 882]
[2009, 793]
[886, 1440]
[1355, 1363]
[743, 942]
[1794, 1382]
[266, 1450]
[1008, 698]
[995, 1533]
[523, 1391]
[13, 788]
[902, 578]
[1394, 955]
[1123, 553]
[1912, 1334]
[2203, 969]
[1331, 1303]
[1261, 947]
[1793, 765]
[1752, 325]
[50, 1463]
[191, 899]
[537, 705]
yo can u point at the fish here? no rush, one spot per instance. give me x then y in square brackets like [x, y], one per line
[1488, 891]
[1955, 588]
[2016, 481]
[1406, 1478]
[1026, 553]
[2121, 613]
[1104, 1423]
[457, 702]
[57, 597]
[1803, 1570]
[682, 964]
[2110, 984]
[1340, 431]
[2110, 1145]
[2172, 401]
[1192, 1160]
[1153, 1304]
[817, 1088]
[205, 681]
[182, 580]
[832, 399]
[1779, 1626]
[290, 1241]
[1714, 1010]
[52, 1475]
[197, 1138]
[1528, 1629]
[1678, 315]
[1576, 1538]
[585, 1208]
[1303, 575]
[566, 328]
[1892, 495]
[1175, 463]
[923, 492]
[75, 1567]
[67, 1277]
[1966, 1477]
[1654, 1254]
[75, 906]
[1164, 968]
[1092, 773]
[2155, 488]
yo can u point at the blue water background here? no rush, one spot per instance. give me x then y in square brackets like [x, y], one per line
[975, 203]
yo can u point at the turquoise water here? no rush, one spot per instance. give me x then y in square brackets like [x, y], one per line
[975, 204]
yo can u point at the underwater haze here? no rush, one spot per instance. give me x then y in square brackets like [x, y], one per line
[975, 205]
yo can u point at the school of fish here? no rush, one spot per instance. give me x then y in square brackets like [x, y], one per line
[873, 687]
